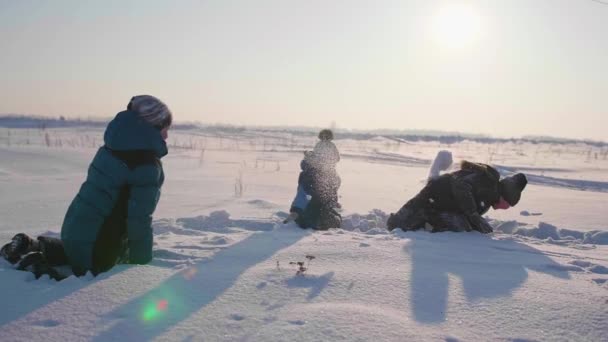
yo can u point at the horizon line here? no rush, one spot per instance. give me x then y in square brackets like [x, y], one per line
[392, 131]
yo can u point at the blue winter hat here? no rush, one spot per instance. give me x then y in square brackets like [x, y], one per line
[152, 110]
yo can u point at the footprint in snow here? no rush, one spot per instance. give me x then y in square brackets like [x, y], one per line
[274, 307]
[598, 269]
[593, 268]
[270, 319]
[261, 285]
[580, 263]
[237, 317]
[527, 213]
[49, 323]
[216, 240]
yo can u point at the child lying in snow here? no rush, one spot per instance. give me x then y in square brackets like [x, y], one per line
[455, 201]
[110, 219]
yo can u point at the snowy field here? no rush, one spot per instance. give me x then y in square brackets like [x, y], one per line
[221, 268]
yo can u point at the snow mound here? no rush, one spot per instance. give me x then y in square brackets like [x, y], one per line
[190, 240]
[546, 231]
[220, 221]
[373, 222]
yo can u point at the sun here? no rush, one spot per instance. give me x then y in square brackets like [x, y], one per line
[456, 26]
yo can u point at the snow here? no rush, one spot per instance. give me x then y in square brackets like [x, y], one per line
[221, 269]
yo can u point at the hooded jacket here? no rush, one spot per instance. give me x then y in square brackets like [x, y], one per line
[471, 190]
[130, 159]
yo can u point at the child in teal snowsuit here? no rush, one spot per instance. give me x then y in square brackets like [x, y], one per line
[110, 219]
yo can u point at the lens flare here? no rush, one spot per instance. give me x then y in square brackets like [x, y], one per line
[189, 273]
[154, 310]
[162, 305]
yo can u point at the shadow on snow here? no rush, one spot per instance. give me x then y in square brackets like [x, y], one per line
[488, 268]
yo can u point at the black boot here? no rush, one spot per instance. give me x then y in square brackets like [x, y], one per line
[391, 222]
[329, 218]
[19, 246]
[406, 219]
[36, 263]
[53, 251]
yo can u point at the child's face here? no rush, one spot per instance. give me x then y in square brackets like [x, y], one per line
[164, 133]
[502, 204]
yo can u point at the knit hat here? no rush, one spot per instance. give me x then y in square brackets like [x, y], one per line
[511, 188]
[326, 134]
[152, 110]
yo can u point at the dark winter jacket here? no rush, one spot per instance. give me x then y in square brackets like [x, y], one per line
[307, 176]
[128, 163]
[305, 181]
[472, 189]
[453, 201]
[320, 181]
[317, 197]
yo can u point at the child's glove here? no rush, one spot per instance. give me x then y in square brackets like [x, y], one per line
[479, 224]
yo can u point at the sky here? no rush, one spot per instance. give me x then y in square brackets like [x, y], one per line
[494, 67]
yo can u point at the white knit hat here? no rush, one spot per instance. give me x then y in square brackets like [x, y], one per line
[152, 110]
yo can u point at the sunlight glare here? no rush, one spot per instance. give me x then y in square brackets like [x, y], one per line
[456, 25]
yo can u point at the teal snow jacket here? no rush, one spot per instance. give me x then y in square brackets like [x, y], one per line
[129, 159]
